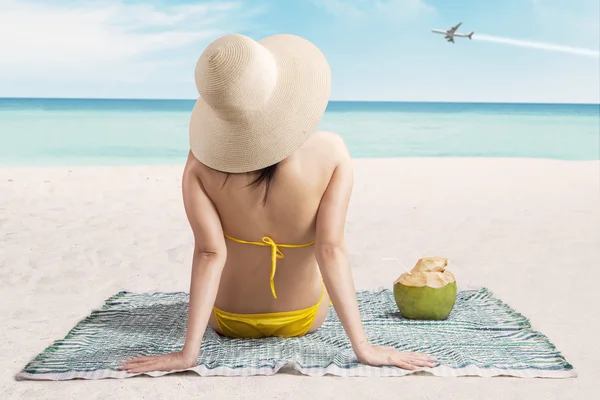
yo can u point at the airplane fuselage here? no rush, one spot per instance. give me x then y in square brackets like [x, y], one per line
[451, 33]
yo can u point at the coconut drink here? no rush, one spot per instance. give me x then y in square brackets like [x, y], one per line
[428, 291]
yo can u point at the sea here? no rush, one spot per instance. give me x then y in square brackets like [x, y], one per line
[71, 132]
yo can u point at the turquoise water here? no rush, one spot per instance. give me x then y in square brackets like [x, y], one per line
[133, 132]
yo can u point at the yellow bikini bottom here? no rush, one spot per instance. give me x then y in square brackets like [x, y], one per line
[280, 324]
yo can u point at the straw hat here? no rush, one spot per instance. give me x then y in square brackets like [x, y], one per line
[259, 101]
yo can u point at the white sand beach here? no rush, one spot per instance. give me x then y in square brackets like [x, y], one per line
[527, 229]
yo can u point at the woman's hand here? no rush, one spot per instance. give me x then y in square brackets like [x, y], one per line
[378, 356]
[165, 362]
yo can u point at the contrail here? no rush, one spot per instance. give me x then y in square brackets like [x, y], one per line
[537, 45]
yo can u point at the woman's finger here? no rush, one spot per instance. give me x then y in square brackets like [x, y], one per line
[139, 359]
[147, 362]
[404, 365]
[151, 366]
[422, 363]
[421, 356]
[413, 354]
[141, 362]
[138, 370]
[147, 366]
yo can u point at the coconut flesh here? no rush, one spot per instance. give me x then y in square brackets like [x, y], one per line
[428, 291]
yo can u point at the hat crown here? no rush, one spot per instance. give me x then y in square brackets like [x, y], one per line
[236, 76]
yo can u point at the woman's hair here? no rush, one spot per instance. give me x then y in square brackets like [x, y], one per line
[265, 175]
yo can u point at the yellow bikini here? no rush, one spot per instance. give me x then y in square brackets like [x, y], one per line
[281, 324]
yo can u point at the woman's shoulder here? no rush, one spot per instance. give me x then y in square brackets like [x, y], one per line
[318, 156]
[328, 144]
[192, 165]
[328, 137]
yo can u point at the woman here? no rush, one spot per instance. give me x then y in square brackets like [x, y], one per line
[266, 197]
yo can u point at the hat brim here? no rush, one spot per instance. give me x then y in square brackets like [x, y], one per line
[268, 136]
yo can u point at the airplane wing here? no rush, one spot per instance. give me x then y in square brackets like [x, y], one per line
[455, 27]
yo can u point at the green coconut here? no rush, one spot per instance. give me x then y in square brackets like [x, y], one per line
[427, 292]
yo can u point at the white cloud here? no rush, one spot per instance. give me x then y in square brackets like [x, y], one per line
[37, 35]
[361, 8]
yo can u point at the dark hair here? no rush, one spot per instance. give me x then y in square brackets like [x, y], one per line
[265, 175]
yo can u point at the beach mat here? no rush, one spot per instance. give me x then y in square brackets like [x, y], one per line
[482, 337]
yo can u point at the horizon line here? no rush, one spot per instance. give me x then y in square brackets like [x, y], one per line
[331, 101]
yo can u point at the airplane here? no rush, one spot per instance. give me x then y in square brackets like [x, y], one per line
[450, 34]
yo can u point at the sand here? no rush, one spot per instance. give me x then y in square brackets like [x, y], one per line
[527, 229]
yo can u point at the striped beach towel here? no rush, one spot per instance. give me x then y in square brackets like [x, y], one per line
[482, 337]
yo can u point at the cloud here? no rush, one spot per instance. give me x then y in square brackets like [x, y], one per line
[38, 35]
[362, 8]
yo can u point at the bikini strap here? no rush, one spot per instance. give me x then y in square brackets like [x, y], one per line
[275, 254]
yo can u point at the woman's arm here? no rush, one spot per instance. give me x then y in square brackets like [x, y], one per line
[330, 247]
[332, 256]
[207, 262]
[207, 265]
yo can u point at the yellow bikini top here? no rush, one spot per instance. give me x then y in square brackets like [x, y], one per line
[275, 254]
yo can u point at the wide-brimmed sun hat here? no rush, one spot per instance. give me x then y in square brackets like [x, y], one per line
[259, 101]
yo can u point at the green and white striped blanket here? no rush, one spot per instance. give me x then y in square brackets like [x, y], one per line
[482, 337]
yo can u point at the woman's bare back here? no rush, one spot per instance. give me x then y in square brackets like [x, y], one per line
[288, 217]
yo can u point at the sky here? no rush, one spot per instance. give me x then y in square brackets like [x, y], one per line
[379, 50]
